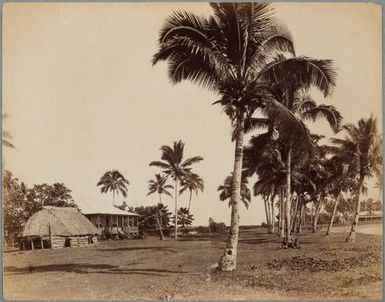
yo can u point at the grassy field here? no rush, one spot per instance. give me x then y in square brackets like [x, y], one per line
[324, 267]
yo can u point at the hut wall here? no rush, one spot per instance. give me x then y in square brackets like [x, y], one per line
[79, 241]
[57, 242]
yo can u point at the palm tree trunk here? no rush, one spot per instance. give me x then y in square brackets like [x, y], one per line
[352, 235]
[189, 202]
[113, 197]
[228, 262]
[333, 215]
[159, 226]
[269, 226]
[158, 219]
[294, 215]
[272, 214]
[281, 214]
[301, 218]
[267, 215]
[288, 197]
[317, 212]
[176, 208]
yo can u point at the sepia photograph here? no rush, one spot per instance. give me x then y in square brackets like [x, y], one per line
[192, 151]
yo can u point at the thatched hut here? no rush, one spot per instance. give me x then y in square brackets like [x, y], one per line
[54, 227]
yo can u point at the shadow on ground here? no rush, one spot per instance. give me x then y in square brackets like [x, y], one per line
[82, 268]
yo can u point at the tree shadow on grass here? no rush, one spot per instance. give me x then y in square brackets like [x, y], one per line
[83, 268]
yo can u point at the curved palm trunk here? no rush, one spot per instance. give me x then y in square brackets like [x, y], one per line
[352, 234]
[189, 202]
[317, 212]
[176, 208]
[333, 215]
[295, 214]
[228, 262]
[288, 197]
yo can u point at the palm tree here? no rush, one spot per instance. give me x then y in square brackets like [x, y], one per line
[113, 181]
[193, 183]
[362, 148]
[158, 185]
[226, 190]
[184, 219]
[225, 53]
[173, 165]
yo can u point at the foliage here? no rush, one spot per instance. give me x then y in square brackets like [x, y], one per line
[226, 188]
[123, 206]
[185, 219]
[148, 214]
[113, 181]
[371, 205]
[172, 161]
[20, 201]
[158, 185]
[216, 227]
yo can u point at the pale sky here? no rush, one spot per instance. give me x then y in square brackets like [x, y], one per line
[83, 98]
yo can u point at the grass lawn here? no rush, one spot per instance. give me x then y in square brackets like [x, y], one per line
[324, 267]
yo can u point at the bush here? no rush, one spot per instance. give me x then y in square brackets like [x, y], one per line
[217, 227]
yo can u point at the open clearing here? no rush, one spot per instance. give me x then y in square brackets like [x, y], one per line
[324, 267]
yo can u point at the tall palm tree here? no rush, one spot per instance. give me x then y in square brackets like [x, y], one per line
[113, 181]
[192, 182]
[173, 165]
[362, 147]
[225, 53]
[158, 185]
[226, 190]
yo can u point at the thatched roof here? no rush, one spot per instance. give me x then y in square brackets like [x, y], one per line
[104, 208]
[62, 221]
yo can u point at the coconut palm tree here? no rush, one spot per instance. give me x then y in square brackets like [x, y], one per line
[113, 181]
[226, 190]
[225, 53]
[362, 148]
[158, 185]
[193, 183]
[173, 165]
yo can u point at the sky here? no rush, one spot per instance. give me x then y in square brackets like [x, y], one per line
[82, 97]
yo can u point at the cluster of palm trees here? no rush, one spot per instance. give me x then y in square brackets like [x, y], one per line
[173, 165]
[247, 57]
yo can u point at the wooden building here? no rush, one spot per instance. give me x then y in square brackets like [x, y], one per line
[111, 221]
[54, 227]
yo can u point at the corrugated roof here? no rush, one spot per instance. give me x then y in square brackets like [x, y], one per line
[62, 221]
[104, 208]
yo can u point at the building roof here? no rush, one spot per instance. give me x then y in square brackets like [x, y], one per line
[372, 213]
[59, 222]
[104, 208]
